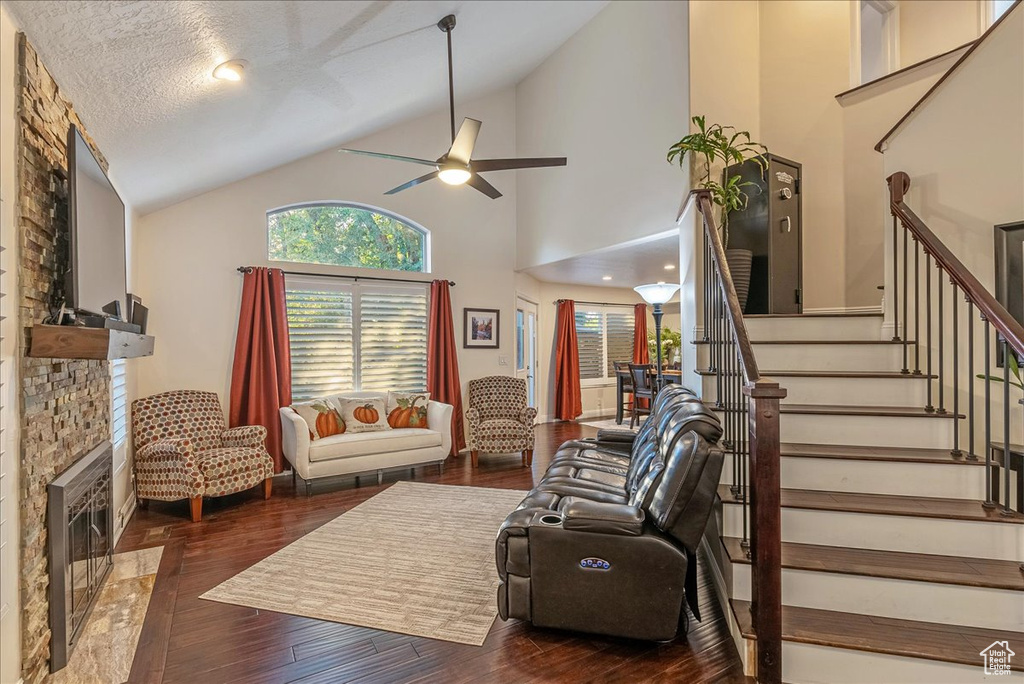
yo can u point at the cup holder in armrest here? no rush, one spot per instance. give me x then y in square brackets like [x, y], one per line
[551, 519]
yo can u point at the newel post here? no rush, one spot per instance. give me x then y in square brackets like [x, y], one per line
[766, 527]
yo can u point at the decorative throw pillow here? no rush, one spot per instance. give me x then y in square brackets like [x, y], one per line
[364, 415]
[408, 409]
[322, 419]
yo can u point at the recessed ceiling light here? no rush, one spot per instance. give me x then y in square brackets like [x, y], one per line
[670, 267]
[229, 71]
[606, 277]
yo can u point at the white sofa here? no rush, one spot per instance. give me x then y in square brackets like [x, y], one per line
[366, 452]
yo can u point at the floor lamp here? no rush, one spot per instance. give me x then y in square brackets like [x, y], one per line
[656, 295]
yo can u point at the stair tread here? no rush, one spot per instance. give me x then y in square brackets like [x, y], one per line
[885, 504]
[852, 314]
[921, 567]
[893, 636]
[895, 375]
[877, 453]
[854, 410]
[801, 341]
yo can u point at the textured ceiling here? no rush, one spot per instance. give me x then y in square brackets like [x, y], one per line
[319, 73]
[629, 264]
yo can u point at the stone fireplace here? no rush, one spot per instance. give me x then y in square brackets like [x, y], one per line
[80, 528]
[65, 404]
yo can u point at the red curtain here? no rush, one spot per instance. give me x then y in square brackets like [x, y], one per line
[568, 399]
[261, 377]
[442, 362]
[641, 352]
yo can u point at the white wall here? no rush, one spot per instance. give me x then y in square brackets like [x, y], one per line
[734, 100]
[868, 115]
[962, 150]
[931, 27]
[612, 99]
[10, 605]
[187, 253]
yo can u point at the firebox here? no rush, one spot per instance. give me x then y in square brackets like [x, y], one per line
[80, 528]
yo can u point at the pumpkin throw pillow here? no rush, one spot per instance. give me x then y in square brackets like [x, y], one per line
[408, 409]
[364, 415]
[322, 419]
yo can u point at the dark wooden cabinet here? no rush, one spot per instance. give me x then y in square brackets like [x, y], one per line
[771, 227]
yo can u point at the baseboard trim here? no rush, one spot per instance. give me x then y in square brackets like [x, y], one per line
[586, 415]
[877, 309]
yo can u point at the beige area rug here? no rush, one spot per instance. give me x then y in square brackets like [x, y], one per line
[106, 646]
[416, 559]
[610, 424]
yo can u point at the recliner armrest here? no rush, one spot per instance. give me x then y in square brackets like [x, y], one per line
[603, 518]
[616, 436]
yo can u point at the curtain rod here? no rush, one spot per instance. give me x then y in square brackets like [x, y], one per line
[579, 301]
[247, 269]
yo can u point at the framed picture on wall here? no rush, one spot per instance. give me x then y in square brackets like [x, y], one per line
[480, 328]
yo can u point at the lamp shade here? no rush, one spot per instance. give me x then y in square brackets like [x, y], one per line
[657, 293]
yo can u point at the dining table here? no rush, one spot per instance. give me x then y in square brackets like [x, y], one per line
[671, 376]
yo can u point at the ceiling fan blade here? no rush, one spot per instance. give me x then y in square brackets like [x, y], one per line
[414, 182]
[532, 163]
[483, 186]
[461, 150]
[396, 157]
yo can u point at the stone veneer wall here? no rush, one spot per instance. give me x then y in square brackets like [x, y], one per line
[65, 403]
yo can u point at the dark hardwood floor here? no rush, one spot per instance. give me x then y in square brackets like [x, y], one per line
[187, 639]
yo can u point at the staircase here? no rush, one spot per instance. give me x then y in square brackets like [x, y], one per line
[892, 569]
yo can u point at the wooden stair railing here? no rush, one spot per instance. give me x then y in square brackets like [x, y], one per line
[751, 439]
[947, 365]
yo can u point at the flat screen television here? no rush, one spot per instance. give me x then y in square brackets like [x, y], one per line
[96, 266]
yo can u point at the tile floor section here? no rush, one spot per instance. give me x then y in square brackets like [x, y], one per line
[106, 648]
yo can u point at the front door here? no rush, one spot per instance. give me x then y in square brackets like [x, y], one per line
[526, 346]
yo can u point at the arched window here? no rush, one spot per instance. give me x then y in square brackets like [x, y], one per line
[347, 234]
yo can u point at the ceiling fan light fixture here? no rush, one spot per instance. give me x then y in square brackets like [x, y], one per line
[454, 175]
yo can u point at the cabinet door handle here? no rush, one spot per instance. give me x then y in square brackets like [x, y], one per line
[786, 225]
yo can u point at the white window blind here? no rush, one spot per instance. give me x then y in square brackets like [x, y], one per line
[356, 336]
[604, 335]
[118, 401]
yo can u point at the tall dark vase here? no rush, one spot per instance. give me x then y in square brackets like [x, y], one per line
[739, 266]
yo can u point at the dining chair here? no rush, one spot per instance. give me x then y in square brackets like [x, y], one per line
[643, 388]
[624, 386]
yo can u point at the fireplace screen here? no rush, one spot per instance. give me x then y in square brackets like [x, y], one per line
[80, 528]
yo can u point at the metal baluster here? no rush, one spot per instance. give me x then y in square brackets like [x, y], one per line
[707, 287]
[928, 324]
[972, 455]
[905, 285]
[956, 377]
[895, 284]
[941, 336]
[746, 487]
[715, 336]
[917, 308]
[988, 503]
[1006, 428]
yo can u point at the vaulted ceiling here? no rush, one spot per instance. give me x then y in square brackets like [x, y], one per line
[318, 74]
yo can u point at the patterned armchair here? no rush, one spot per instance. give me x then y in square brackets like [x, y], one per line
[500, 422]
[183, 450]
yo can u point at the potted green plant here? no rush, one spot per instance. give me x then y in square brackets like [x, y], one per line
[671, 342]
[709, 147]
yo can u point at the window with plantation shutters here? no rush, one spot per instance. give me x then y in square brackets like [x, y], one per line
[119, 401]
[355, 336]
[604, 335]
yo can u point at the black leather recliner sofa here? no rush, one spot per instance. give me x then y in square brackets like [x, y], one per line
[606, 543]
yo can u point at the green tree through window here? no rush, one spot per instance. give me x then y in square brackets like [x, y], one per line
[345, 235]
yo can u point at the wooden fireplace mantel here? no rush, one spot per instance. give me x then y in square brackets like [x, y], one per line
[75, 342]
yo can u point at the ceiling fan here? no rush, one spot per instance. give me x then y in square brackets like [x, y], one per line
[457, 166]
